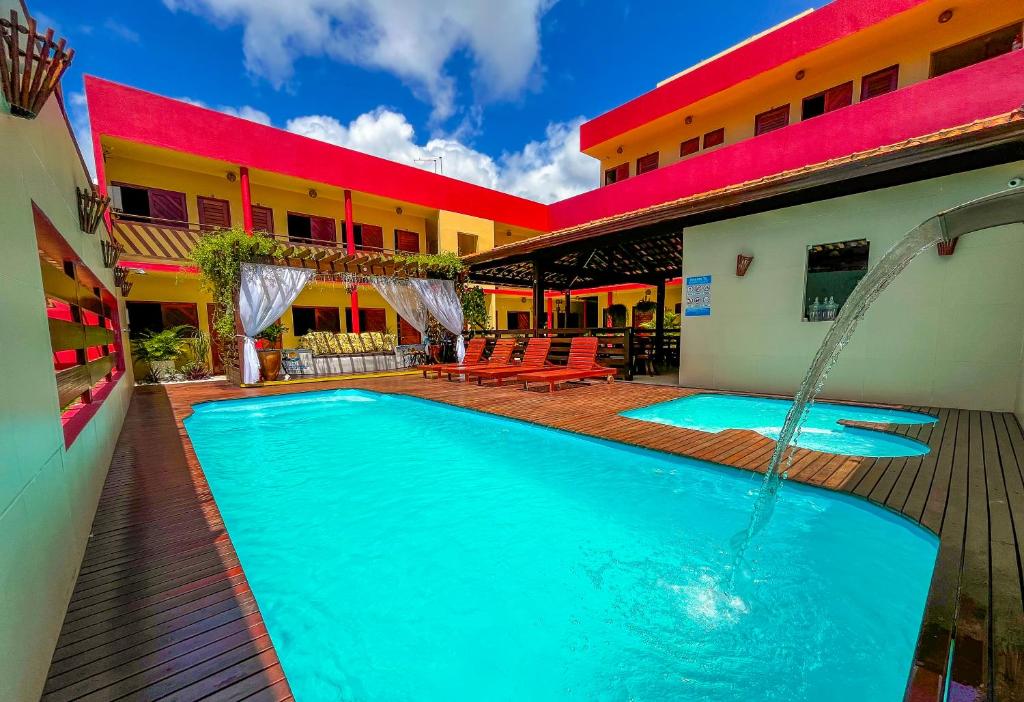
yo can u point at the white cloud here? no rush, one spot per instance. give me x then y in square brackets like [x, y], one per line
[78, 114]
[245, 111]
[411, 39]
[546, 170]
[124, 32]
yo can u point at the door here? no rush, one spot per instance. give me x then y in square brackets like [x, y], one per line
[407, 333]
[214, 213]
[407, 241]
[590, 314]
[373, 319]
[217, 365]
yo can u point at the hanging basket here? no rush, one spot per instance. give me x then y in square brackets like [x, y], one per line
[31, 65]
[111, 252]
[126, 287]
[946, 248]
[91, 206]
[743, 264]
[120, 276]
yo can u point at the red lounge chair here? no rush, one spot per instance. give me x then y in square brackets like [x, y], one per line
[474, 354]
[501, 355]
[582, 364]
[534, 358]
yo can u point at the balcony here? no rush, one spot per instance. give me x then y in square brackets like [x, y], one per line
[959, 98]
[153, 240]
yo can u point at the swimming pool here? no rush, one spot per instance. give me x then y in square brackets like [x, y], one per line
[821, 431]
[405, 550]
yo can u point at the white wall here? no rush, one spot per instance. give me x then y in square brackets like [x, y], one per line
[947, 332]
[48, 495]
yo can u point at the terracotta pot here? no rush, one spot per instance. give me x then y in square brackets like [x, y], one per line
[270, 363]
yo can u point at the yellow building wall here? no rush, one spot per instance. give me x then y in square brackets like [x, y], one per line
[890, 43]
[48, 493]
[450, 224]
[947, 333]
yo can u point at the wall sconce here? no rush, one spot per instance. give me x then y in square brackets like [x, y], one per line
[800, 74]
[743, 264]
[945, 16]
[31, 75]
[618, 150]
[231, 176]
[946, 248]
[398, 210]
[312, 193]
[689, 119]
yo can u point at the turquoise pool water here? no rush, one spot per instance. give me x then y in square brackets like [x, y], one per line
[821, 430]
[404, 550]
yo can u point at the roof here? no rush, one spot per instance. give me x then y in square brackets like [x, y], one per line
[789, 41]
[650, 227]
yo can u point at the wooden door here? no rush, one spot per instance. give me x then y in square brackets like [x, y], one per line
[373, 319]
[216, 363]
[214, 213]
[407, 333]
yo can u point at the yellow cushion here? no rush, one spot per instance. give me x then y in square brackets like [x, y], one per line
[357, 343]
[390, 342]
[368, 345]
[311, 342]
[343, 343]
[378, 342]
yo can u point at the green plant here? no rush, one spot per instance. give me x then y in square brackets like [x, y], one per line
[198, 347]
[445, 264]
[474, 307]
[671, 321]
[195, 370]
[272, 333]
[219, 257]
[164, 345]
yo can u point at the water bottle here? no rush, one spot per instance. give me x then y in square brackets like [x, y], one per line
[832, 307]
[813, 310]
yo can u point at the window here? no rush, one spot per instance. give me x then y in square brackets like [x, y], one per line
[308, 319]
[975, 50]
[262, 219]
[432, 245]
[407, 241]
[690, 146]
[517, 320]
[467, 243]
[157, 316]
[214, 213]
[828, 100]
[647, 163]
[833, 271]
[775, 118]
[714, 138]
[311, 228]
[370, 319]
[614, 175]
[143, 204]
[879, 82]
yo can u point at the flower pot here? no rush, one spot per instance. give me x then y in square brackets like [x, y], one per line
[270, 363]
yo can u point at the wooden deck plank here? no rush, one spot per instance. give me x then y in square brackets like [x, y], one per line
[147, 597]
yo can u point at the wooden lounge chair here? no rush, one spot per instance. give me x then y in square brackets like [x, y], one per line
[474, 354]
[582, 364]
[501, 355]
[534, 358]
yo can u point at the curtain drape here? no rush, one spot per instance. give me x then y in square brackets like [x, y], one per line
[443, 304]
[405, 300]
[266, 293]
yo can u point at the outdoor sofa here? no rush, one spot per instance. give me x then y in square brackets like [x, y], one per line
[368, 352]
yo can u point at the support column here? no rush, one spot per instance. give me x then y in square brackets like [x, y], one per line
[538, 294]
[567, 303]
[354, 304]
[659, 324]
[609, 301]
[243, 182]
[551, 314]
[350, 226]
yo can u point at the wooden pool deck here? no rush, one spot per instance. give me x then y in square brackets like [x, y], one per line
[162, 607]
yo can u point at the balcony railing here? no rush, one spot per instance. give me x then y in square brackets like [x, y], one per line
[160, 240]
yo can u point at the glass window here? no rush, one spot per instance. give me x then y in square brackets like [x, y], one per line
[975, 50]
[833, 271]
[467, 244]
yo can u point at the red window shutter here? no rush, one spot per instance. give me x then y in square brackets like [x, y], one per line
[522, 320]
[262, 219]
[373, 319]
[775, 118]
[714, 138]
[322, 229]
[167, 204]
[214, 213]
[879, 82]
[407, 241]
[839, 96]
[614, 175]
[690, 146]
[407, 333]
[373, 236]
[647, 163]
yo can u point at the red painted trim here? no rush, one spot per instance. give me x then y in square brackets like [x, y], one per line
[828, 24]
[354, 304]
[73, 422]
[243, 184]
[350, 225]
[983, 90]
[127, 113]
[159, 267]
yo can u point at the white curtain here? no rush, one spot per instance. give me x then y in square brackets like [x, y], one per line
[405, 300]
[443, 303]
[266, 292]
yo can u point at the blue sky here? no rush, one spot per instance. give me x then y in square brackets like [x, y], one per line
[497, 88]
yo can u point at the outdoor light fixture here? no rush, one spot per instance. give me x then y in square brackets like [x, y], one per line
[31, 71]
[945, 16]
[398, 210]
[689, 119]
[618, 150]
[231, 176]
[312, 193]
[743, 264]
[800, 74]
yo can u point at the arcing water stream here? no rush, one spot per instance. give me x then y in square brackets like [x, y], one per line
[1005, 207]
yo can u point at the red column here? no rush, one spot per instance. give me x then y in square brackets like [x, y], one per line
[609, 302]
[243, 179]
[350, 226]
[551, 313]
[354, 303]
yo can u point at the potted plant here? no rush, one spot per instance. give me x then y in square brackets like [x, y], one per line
[160, 349]
[268, 348]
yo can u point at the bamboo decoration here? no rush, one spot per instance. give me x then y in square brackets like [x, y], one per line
[91, 206]
[111, 252]
[743, 264]
[120, 276]
[30, 72]
[126, 287]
